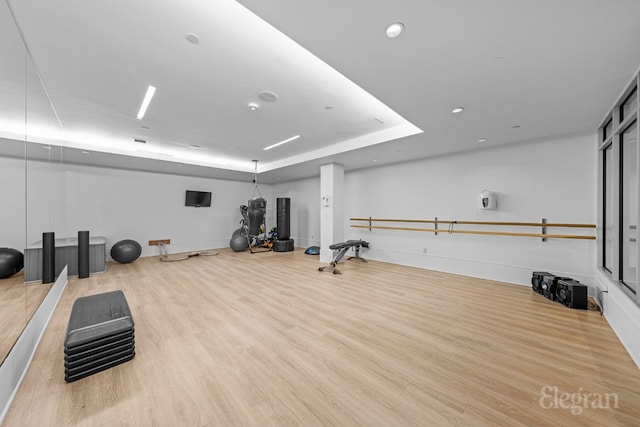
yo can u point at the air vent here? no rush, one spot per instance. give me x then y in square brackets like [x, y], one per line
[269, 96]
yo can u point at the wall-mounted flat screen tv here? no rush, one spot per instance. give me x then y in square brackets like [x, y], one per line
[198, 199]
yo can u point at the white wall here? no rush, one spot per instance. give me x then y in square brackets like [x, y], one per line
[549, 179]
[119, 204]
[45, 209]
[12, 207]
[142, 206]
[46, 192]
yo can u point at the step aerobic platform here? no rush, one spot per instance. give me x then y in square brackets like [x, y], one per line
[100, 335]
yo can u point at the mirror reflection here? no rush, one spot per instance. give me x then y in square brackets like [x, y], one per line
[34, 185]
[13, 310]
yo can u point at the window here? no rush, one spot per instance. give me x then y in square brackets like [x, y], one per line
[619, 193]
[607, 212]
[629, 104]
[606, 130]
[629, 206]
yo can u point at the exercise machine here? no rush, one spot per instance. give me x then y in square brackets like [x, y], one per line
[343, 248]
[253, 219]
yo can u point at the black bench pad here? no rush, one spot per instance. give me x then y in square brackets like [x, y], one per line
[349, 244]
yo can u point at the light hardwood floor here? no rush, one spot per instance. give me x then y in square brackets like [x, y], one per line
[266, 339]
[18, 302]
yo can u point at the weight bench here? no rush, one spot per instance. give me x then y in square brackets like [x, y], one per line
[344, 247]
[100, 335]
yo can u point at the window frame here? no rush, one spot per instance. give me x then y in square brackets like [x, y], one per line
[610, 142]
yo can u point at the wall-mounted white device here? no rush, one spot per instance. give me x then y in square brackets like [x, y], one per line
[325, 200]
[487, 200]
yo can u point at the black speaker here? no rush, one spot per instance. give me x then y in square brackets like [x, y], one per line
[549, 285]
[572, 293]
[536, 280]
[283, 207]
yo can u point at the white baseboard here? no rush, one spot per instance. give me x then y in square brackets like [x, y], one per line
[622, 314]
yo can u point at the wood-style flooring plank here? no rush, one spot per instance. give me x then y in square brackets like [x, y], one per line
[267, 340]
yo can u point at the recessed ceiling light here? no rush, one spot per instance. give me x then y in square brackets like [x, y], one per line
[253, 106]
[375, 160]
[281, 142]
[178, 164]
[268, 95]
[457, 110]
[482, 140]
[193, 38]
[85, 152]
[395, 29]
[47, 147]
[151, 90]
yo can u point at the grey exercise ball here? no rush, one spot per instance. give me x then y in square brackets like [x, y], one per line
[126, 251]
[239, 240]
[11, 261]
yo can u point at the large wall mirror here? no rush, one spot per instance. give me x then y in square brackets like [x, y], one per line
[32, 174]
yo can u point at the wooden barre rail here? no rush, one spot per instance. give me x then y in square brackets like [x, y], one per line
[490, 233]
[450, 230]
[508, 224]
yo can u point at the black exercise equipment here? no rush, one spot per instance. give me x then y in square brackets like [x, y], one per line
[126, 251]
[283, 225]
[343, 248]
[83, 254]
[285, 245]
[256, 211]
[48, 257]
[252, 227]
[11, 262]
[253, 223]
[283, 241]
[100, 335]
[239, 241]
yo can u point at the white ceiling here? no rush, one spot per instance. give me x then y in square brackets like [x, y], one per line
[553, 68]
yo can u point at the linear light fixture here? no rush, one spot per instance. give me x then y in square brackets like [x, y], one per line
[293, 138]
[151, 90]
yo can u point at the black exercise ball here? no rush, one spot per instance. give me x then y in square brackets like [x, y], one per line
[239, 240]
[126, 251]
[11, 261]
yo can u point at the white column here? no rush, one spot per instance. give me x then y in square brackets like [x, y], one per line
[331, 208]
